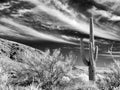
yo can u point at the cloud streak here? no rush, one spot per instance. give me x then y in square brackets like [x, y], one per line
[77, 24]
[13, 28]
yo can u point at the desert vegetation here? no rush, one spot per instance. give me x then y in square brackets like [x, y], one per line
[54, 72]
[25, 68]
[48, 72]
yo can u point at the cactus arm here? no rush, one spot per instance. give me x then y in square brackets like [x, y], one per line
[96, 53]
[84, 59]
[91, 54]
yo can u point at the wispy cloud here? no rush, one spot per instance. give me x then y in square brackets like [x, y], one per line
[14, 28]
[75, 23]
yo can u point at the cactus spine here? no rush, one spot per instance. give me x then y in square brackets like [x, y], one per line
[93, 54]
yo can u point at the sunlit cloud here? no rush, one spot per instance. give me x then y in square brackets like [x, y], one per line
[75, 23]
[14, 28]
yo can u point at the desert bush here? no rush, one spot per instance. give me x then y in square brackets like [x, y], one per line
[112, 79]
[87, 86]
[47, 71]
[114, 76]
[117, 88]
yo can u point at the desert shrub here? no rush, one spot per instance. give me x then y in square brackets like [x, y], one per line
[103, 84]
[117, 88]
[46, 72]
[112, 79]
[88, 87]
[114, 76]
[79, 86]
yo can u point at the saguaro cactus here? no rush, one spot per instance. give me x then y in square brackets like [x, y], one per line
[93, 54]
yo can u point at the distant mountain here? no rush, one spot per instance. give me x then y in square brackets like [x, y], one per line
[16, 52]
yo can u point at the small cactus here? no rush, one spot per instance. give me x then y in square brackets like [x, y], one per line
[93, 54]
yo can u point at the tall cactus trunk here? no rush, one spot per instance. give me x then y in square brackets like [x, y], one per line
[92, 65]
[92, 71]
[93, 54]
